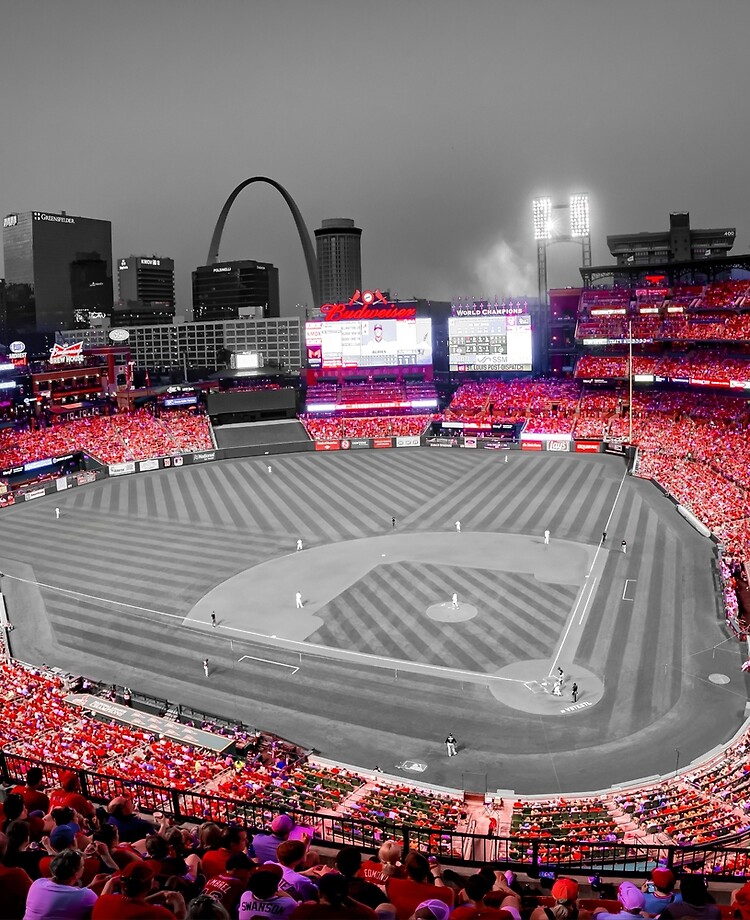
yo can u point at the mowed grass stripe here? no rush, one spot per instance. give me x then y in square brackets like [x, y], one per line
[539, 509]
[527, 480]
[339, 514]
[255, 498]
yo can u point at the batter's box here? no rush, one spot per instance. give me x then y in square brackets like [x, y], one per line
[535, 686]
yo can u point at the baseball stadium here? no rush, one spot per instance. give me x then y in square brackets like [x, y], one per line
[281, 596]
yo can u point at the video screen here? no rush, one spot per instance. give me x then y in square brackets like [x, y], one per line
[489, 343]
[369, 343]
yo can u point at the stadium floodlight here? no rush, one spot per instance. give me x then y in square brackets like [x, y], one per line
[542, 218]
[579, 216]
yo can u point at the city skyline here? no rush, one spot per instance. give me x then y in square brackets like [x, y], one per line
[431, 124]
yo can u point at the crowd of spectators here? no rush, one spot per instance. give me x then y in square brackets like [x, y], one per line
[108, 438]
[713, 364]
[377, 426]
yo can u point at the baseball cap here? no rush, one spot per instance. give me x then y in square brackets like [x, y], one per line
[281, 824]
[662, 878]
[565, 889]
[432, 910]
[630, 897]
[62, 837]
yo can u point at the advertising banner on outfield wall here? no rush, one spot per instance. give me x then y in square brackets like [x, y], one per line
[614, 447]
[409, 440]
[494, 444]
[531, 445]
[145, 465]
[327, 445]
[62, 484]
[121, 469]
[561, 445]
[442, 442]
[35, 493]
[587, 447]
[382, 442]
[355, 443]
[470, 442]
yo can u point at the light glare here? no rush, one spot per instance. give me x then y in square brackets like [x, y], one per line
[542, 218]
[579, 215]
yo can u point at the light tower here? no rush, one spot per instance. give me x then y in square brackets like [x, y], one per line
[547, 231]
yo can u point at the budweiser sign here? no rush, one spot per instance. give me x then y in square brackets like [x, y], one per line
[64, 354]
[367, 305]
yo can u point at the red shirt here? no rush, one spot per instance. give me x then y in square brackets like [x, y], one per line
[14, 886]
[33, 799]
[91, 865]
[405, 894]
[372, 871]
[118, 907]
[226, 889]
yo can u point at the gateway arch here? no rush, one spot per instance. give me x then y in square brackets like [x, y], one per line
[310, 258]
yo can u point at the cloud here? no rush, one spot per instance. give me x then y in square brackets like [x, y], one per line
[502, 272]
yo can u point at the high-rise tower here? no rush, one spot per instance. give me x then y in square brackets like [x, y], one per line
[338, 244]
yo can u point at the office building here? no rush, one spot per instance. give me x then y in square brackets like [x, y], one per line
[678, 244]
[203, 345]
[146, 291]
[338, 244]
[230, 290]
[63, 263]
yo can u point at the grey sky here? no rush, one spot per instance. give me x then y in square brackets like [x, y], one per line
[431, 123]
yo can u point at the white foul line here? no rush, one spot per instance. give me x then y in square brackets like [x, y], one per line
[279, 664]
[583, 590]
[343, 654]
[625, 589]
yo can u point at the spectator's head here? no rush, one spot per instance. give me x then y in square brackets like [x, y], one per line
[433, 909]
[389, 855]
[239, 865]
[62, 838]
[120, 807]
[19, 835]
[67, 867]
[565, 890]
[348, 861]
[209, 836]
[14, 806]
[137, 879]
[265, 882]
[62, 814]
[35, 778]
[108, 835]
[282, 826]
[334, 890]
[234, 839]
[694, 890]
[417, 867]
[632, 898]
[477, 886]
[204, 907]
[70, 781]
[386, 911]
[291, 853]
[663, 880]
[157, 847]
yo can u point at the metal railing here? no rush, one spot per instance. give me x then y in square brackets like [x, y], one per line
[529, 855]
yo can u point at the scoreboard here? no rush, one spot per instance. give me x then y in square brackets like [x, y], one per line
[490, 343]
